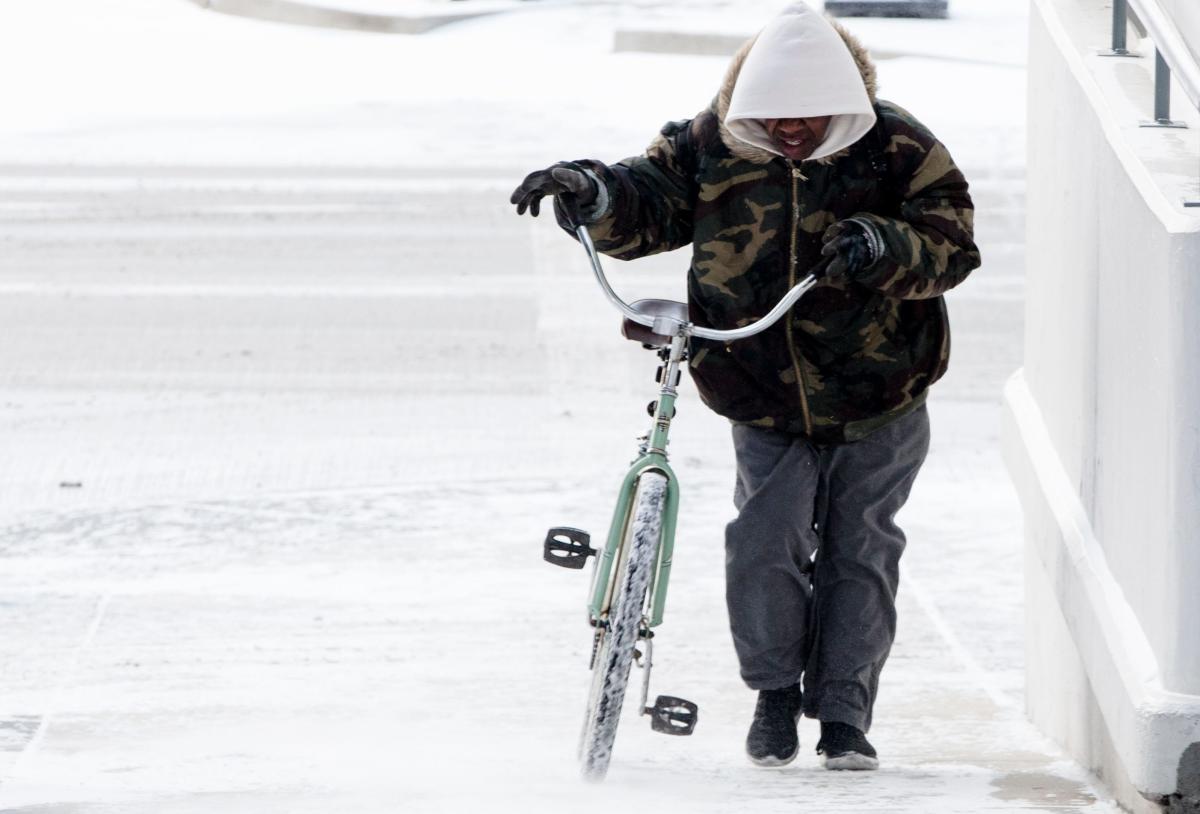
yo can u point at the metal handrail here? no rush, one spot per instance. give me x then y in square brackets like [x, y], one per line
[1171, 55]
[1171, 47]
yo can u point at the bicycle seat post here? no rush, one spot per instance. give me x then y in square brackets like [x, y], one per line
[669, 373]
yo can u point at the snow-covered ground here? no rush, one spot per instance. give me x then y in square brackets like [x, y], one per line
[288, 397]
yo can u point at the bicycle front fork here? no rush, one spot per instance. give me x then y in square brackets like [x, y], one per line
[569, 547]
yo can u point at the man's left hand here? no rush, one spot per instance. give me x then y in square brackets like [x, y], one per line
[850, 247]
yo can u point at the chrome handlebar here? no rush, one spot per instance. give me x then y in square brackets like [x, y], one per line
[687, 328]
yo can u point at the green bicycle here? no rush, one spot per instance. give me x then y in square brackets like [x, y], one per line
[629, 582]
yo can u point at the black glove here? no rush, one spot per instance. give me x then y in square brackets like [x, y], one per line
[850, 248]
[565, 177]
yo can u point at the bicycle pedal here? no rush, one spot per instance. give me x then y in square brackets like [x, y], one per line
[673, 716]
[567, 547]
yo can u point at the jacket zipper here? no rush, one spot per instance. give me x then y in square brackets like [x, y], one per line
[801, 381]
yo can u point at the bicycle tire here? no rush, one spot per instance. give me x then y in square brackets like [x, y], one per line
[614, 654]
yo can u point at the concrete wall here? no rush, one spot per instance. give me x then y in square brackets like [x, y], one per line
[1103, 425]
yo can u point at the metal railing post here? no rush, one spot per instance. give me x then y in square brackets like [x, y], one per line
[1120, 22]
[1120, 15]
[1162, 88]
[1162, 95]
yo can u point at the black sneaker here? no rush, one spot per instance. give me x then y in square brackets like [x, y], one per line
[772, 740]
[844, 747]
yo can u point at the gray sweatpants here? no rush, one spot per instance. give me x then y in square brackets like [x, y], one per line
[812, 561]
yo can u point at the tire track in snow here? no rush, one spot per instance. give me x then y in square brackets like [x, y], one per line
[68, 674]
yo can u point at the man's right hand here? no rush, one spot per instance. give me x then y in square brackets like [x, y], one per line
[564, 178]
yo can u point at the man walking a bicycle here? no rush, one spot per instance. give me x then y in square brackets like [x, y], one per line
[797, 168]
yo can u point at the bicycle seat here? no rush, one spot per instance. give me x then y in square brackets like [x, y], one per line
[653, 308]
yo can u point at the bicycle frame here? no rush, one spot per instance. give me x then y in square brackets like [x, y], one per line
[653, 456]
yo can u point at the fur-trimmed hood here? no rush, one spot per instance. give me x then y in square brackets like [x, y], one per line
[758, 155]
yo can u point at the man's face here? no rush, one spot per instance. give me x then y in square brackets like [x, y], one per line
[797, 139]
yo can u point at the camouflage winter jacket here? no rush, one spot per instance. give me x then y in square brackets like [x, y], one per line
[850, 356]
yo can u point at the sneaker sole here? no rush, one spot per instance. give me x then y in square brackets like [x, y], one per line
[851, 762]
[772, 761]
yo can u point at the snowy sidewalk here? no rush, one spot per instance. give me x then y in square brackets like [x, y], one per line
[290, 397]
[369, 649]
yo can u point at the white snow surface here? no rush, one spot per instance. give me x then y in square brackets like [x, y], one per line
[166, 82]
[288, 397]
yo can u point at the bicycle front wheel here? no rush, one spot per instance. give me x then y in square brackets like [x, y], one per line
[614, 651]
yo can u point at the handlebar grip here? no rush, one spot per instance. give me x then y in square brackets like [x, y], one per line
[570, 208]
